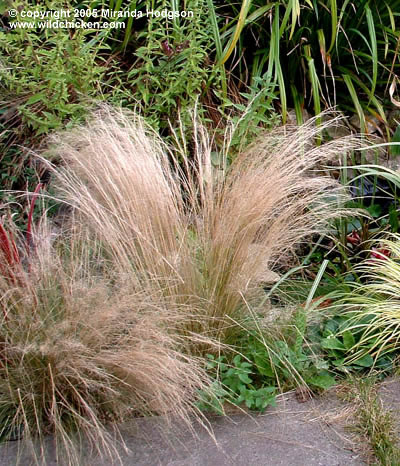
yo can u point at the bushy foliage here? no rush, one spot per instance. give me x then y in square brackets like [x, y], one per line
[172, 66]
[372, 308]
[49, 78]
[160, 263]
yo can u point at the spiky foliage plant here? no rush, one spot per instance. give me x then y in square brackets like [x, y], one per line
[203, 239]
[80, 348]
[337, 51]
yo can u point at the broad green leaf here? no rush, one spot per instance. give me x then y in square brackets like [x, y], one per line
[350, 86]
[36, 98]
[332, 343]
[249, 403]
[237, 359]
[245, 378]
[264, 367]
[331, 326]
[239, 26]
[375, 210]
[322, 381]
[365, 361]
[338, 362]
[348, 339]
[334, 24]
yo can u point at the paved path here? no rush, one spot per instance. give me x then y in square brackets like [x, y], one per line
[291, 434]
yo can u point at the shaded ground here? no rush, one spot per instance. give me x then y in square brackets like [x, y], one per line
[291, 434]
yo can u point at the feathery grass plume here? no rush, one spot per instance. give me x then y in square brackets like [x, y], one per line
[203, 242]
[374, 305]
[80, 348]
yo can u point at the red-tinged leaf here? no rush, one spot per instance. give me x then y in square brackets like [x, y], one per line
[354, 238]
[8, 246]
[10, 258]
[380, 253]
[166, 48]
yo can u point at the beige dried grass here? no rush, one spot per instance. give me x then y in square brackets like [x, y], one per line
[201, 238]
[164, 259]
[81, 352]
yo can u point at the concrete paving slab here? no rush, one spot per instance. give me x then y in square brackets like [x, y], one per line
[389, 394]
[291, 434]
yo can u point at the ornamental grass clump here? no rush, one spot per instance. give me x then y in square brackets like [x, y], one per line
[373, 307]
[203, 240]
[81, 349]
[162, 260]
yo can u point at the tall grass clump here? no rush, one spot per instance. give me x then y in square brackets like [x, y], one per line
[202, 240]
[81, 348]
[318, 54]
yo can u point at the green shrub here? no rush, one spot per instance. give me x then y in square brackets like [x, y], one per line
[172, 64]
[48, 73]
[234, 384]
[48, 79]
